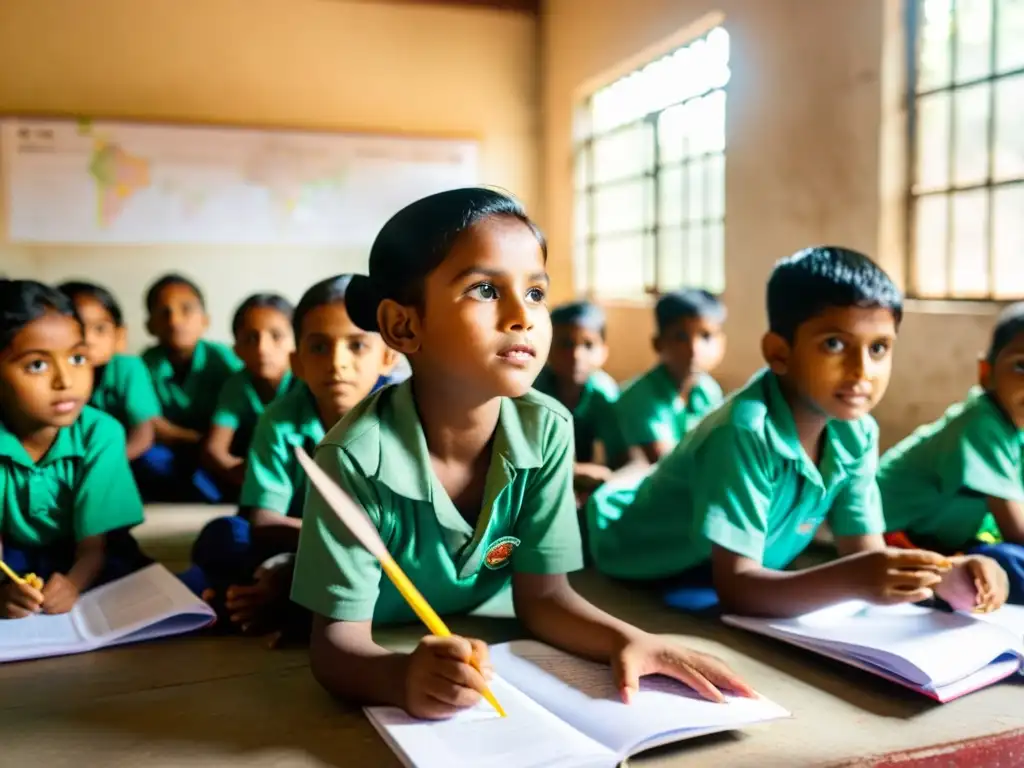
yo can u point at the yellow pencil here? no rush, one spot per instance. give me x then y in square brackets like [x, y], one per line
[361, 527]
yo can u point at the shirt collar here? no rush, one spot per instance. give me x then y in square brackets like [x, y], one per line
[68, 444]
[165, 369]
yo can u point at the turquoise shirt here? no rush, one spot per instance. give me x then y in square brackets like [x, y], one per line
[594, 418]
[239, 407]
[191, 400]
[123, 388]
[650, 409]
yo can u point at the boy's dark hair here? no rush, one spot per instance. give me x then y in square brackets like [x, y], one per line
[688, 302]
[333, 290]
[417, 239]
[805, 284]
[1009, 325]
[97, 293]
[582, 314]
[172, 278]
[261, 301]
[23, 301]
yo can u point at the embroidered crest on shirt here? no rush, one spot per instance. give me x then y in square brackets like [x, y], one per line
[499, 553]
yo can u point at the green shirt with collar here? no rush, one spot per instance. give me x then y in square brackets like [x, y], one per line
[82, 487]
[650, 409]
[273, 478]
[124, 389]
[379, 456]
[239, 406]
[934, 483]
[190, 401]
[594, 419]
[740, 480]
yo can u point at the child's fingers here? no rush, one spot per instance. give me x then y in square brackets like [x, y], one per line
[918, 559]
[461, 674]
[913, 579]
[16, 611]
[902, 595]
[453, 694]
[28, 597]
[481, 657]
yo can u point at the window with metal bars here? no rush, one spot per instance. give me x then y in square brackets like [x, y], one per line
[650, 176]
[966, 233]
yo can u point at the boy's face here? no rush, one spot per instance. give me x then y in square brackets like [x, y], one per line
[1005, 380]
[690, 347]
[576, 353]
[265, 342]
[103, 339]
[339, 361]
[839, 362]
[485, 326]
[45, 378]
[178, 319]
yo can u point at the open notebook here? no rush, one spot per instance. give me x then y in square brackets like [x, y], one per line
[148, 604]
[562, 711]
[942, 655]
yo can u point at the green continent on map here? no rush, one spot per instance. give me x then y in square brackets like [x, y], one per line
[118, 176]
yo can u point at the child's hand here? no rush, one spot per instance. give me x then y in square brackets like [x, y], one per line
[653, 655]
[440, 680]
[248, 606]
[894, 576]
[587, 478]
[60, 594]
[20, 600]
[976, 583]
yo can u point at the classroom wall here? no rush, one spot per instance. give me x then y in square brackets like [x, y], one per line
[318, 64]
[806, 164]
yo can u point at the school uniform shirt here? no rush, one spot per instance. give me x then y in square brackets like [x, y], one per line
[934, 483]
[190, 402]
[594, 419]
[379, 455]
[124, 389]
[740, 480]
[650, 409]
[239, 406]
[274, 479]
[82, 487]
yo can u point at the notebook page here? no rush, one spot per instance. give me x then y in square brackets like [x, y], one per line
[1009, 617]
[39, 635]
[583, 694]
[529, 737]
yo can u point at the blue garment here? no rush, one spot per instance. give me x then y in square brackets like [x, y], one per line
[1011, 558]
[164, 474]
[123, 556]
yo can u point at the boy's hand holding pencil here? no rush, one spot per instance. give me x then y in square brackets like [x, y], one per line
[445, 675]
[20, 597]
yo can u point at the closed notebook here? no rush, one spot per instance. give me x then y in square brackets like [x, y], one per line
[562, 711]
[145, 605]
[942, 655]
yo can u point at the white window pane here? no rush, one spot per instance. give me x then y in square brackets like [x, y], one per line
[671, 195]
[715, 63]
[715, 262]
[936, 18]
[623, 207]
[716, 187]
[695, 256]
[1008, 241]
[1009, 149]
[671, 259]
[1010, 35]
[582, 169]
[625, 153]
[696, 191]
[619, 267]
[973, 39]
[581, 267]
[970, 254]
[932, 142]
[650, 260]
[707, 124]
[970, 115]
[581, 228]
[673, 139]
[930, 237]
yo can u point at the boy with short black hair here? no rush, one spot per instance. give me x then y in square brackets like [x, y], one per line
[574, 376]
[656, 409]
[735, 503]
[957, 484]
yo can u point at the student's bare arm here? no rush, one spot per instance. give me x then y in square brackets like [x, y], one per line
[654, 452]
[140, 439]
[348, 663]
[217, 456]
[1010, 517]
[89, 557]
[169, 433]
[275, 530]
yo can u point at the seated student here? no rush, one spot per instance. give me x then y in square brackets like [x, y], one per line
[122, 386]
[68, 497]
[743, 495]
[264, 342]
[338, 365]
[573, 376]
[949, 481]
[465, 471]
[656, 409]
[188, 373]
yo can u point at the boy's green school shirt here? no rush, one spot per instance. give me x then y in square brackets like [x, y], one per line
[740, 480]
[274, 479]
[379, 455]
[935, 482]
[124, 389]
[82, 487]
[191, 402]
[650, 409]
[594, 417]
[239, 406]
